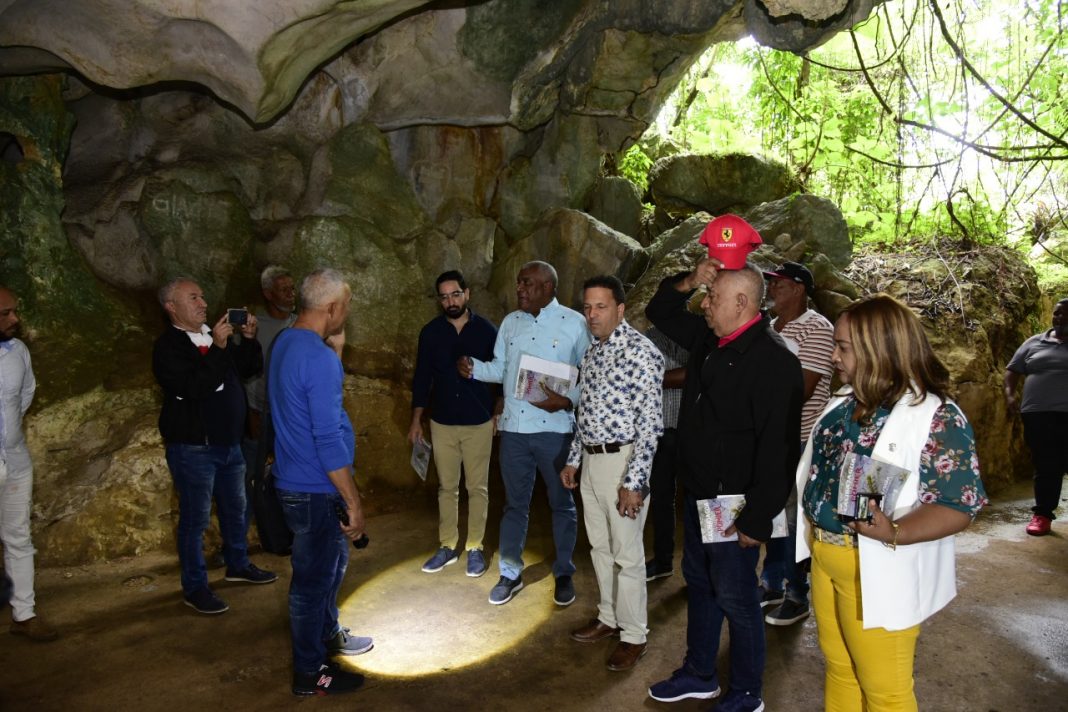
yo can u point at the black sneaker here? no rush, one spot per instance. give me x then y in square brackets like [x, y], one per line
[330, 680]
[251, 574]
[654, 572]
[565, 591]
[769, 599]
[204, 601]
[788, 613]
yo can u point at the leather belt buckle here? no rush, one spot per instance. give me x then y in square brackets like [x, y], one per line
[604, 449]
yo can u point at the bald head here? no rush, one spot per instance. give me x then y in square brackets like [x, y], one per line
[734, 299]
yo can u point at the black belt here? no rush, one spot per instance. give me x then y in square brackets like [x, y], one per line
[606, 448]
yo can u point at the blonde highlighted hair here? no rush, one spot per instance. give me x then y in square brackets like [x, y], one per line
[893, 355]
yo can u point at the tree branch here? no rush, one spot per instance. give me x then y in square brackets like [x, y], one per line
[994, 92]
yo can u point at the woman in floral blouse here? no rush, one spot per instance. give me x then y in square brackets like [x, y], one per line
[873, 582]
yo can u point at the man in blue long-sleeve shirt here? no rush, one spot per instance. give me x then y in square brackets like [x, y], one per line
[461, 418]
[314, 449]
[535, 437]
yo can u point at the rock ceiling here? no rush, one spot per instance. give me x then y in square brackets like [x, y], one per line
[255, 56]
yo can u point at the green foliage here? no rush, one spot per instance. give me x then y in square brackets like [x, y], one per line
[915, 131]
[635, 165]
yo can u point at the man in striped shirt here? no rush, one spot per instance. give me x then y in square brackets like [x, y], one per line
[811, 338]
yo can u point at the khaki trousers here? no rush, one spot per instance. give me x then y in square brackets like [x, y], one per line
[618, 552]
[468, 446]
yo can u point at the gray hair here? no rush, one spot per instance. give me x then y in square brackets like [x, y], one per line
[272, 274]
[546, 269]
[166, 292]
[321, 287]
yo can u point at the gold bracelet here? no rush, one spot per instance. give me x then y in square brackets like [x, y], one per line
[893, 544]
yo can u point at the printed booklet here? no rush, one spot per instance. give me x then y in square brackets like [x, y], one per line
[421, 458]
[717, 514]
[537, 376]
[863, 479]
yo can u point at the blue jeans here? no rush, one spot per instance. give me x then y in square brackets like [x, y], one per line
[320, 558]
[199, 473]
[523, 454]
[721, 582]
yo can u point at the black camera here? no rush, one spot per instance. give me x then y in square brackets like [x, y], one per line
[237, 317]
[862, 509]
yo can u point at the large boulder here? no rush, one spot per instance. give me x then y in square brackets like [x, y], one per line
[101, 484]
[809, 219]
[684, 184]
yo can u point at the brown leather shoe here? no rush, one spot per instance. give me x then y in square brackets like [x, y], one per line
[625, 656]
[34, 629]
[593, 631]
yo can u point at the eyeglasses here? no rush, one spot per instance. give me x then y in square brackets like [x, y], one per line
[450, 295]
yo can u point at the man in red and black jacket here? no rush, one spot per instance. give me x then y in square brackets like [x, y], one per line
[737, 434]
[200, 370]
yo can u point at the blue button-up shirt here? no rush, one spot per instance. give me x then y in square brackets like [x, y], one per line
[621, 380]
[556, 334]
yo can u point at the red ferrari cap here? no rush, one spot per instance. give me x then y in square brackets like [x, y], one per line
[730, 240]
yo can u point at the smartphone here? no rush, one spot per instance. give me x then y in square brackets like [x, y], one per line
[237, 317]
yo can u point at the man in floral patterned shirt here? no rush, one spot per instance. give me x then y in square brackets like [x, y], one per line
[619, 422]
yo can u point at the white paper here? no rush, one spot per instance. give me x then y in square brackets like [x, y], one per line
[716, 516]
[421, 458]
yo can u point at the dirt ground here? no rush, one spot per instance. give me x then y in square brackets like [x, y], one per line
[128, 643]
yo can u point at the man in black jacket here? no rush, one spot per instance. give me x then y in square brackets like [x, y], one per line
[202, 421]
[737, 434]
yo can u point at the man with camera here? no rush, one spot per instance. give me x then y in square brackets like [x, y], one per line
[202, 420]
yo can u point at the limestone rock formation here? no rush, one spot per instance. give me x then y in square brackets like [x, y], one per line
[975, 306]
[683, 184]
[581, 247]
[815, 221]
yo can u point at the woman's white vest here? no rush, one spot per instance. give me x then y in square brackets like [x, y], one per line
[899, 588]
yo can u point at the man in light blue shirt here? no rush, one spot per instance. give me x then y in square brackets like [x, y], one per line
[535, 437]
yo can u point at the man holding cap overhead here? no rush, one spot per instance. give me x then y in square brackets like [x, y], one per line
[811, 338]
[741, 409]
[730, 239]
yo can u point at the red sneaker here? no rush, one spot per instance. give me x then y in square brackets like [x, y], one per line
[1039, 525]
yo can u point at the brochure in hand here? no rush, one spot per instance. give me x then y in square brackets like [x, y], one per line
[863, 479]
[717, 514]
[537, 376]
[421, 458]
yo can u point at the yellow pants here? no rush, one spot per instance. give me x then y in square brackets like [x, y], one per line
[468, 446]
[867, 670]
